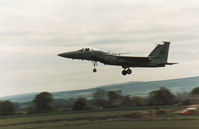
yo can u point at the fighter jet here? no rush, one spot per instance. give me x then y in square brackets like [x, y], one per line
[157, 58]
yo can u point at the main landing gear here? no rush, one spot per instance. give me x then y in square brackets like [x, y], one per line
[126, 71]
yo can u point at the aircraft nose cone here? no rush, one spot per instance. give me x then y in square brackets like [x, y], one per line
[61, 54]
[66, 55]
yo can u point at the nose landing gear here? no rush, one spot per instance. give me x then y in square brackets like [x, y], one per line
[94, 64]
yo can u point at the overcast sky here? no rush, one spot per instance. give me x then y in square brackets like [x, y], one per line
[33, 32]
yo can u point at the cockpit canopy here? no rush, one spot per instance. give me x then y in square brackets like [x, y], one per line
[87, 49]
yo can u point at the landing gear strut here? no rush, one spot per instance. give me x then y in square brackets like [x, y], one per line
[94, 64]
[126, 71]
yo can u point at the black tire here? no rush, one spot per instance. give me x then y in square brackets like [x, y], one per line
[94, 70]
[129, 71]
[124, 72]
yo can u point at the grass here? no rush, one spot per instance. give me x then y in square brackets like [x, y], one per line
[98, 120]
[140, 125]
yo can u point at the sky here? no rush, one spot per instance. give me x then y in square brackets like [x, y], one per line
[33, 32]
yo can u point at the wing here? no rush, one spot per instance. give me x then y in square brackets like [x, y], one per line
[119, 54]
[135, 59]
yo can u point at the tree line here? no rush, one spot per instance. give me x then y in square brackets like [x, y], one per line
[42, 102]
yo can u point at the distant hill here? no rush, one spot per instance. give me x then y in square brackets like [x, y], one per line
[128, 88]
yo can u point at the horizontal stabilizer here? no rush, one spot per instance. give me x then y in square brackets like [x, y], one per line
[171, 63]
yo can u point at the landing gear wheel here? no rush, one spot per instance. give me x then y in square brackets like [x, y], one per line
[94, 64]
[129, 71]
[124, 72]
[94, 70]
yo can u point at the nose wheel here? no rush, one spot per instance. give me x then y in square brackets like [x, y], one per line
[126, 71]
[94, 70]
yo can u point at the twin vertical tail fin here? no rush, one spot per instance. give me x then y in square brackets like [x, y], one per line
[160, 53]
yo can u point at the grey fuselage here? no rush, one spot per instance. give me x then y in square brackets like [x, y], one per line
[112, 59]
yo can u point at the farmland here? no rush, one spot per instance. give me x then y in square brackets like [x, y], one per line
[107, 119]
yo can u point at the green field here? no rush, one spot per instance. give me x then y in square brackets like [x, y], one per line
[98, 120]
